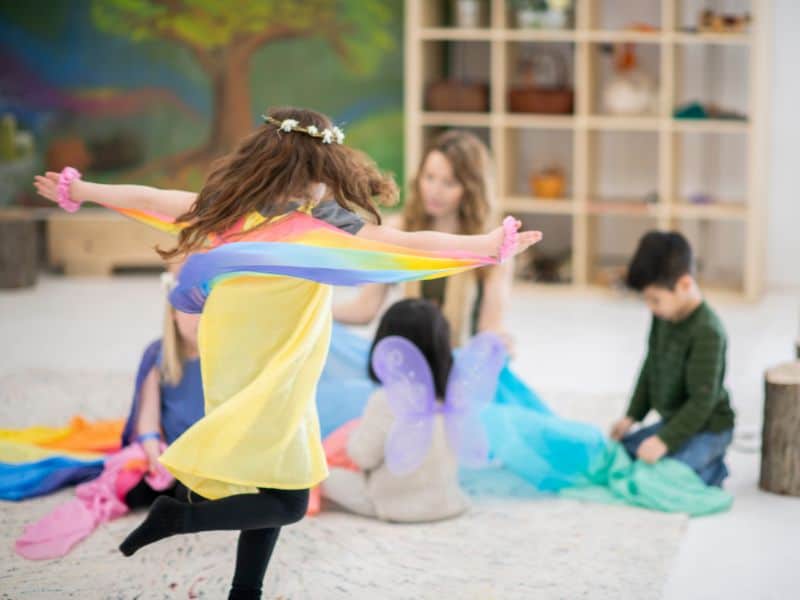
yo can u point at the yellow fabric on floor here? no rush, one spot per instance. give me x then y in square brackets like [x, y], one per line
[80, 439]
[20, 452]
[38, 434]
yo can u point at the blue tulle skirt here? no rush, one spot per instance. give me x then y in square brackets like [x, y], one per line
[526, 437]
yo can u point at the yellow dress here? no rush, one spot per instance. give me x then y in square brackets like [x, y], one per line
[261, 427]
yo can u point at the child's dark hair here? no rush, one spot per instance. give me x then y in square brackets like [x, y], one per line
[422, 323]
[661, 259]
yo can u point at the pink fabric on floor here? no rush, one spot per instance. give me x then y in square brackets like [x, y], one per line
[131, 474]
[95, 502]
[335, 446]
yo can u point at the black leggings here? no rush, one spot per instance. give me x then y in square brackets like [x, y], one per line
[259, 517]
[142, 495]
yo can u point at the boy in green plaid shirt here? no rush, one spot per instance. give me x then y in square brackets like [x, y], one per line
[683, 372]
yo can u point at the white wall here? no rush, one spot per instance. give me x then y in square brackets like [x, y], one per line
[783, 222]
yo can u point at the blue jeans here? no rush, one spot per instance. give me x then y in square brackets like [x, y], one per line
[704, 452]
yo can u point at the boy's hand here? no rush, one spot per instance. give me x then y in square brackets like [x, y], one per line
[652, 450]
[620, 428]
[152, 449]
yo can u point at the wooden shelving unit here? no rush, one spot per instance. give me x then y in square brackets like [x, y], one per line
[490, 51]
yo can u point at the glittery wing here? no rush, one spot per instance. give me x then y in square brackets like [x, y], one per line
[472, 385]
[408, 385]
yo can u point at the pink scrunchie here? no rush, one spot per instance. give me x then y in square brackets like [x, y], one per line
[510, 236]
[65, 178]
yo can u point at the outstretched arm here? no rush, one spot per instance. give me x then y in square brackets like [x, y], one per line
[487, 244]
[169, 203]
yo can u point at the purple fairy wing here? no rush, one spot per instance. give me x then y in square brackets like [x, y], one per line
[472, 385]
[408, 385]
[467, 437]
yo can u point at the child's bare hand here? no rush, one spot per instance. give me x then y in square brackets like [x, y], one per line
[47, 185]
[620, 428]
[152, 449]
[525, 239]
[652, 450]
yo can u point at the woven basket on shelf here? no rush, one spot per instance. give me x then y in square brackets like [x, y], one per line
[457, 96]
[554, 100]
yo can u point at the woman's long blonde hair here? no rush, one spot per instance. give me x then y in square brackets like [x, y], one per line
[472, 167]
[173, 351]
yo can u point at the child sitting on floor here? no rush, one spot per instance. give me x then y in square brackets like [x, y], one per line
[421, 422]
[170, 397]
[683, 372]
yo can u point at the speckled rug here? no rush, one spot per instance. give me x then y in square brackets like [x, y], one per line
[524, 547]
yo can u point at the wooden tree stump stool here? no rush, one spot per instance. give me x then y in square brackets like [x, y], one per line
[780, 441]
[18, 249]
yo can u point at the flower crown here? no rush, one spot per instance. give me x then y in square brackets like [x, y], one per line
[328, 136]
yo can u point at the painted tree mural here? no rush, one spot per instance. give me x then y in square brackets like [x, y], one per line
[223, 35]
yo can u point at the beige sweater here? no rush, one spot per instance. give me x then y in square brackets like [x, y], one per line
[430, 493]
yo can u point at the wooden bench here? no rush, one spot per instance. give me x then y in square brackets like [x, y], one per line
[95, 241]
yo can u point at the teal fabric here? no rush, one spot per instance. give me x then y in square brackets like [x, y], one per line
[667, 486]
[692, 110]
[540, 452]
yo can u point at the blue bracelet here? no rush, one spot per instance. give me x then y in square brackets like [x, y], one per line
[150, 435]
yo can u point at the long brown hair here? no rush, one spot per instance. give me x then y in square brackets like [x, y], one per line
[472, 167]
[270, 168]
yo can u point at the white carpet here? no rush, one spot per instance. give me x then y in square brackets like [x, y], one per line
[503, 548]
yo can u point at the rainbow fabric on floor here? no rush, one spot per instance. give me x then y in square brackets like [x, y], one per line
[38, 460]
[264, 291]
[41, 459]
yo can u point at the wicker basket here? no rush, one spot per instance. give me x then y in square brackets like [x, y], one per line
[554, 100]
[537, 100]
[458, 96]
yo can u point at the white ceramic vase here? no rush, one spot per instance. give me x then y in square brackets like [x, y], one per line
[630, 93]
